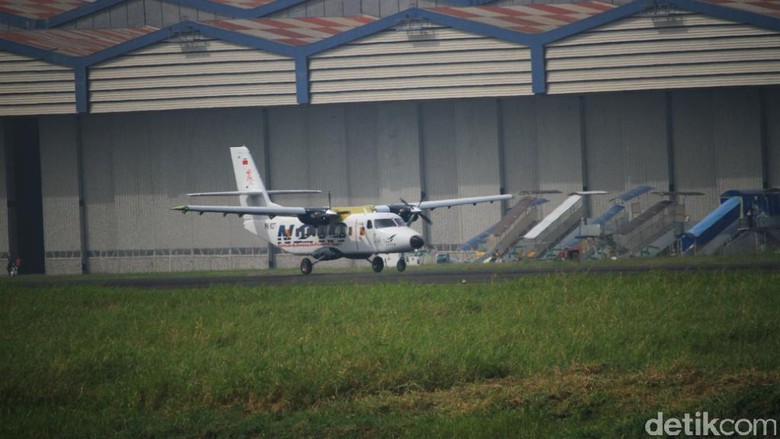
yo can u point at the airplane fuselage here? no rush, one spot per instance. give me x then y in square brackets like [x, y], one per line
[353, 235]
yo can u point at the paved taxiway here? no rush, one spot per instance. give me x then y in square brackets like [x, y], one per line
[451, 275]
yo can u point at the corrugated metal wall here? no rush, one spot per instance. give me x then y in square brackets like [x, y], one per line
[362, 154]
[59, 183]
[138, 165]
[682, 50]
[542, 146]
[436, 64]
[32, 87]
[772, 126]
[461, 160]
[626, 146]
[207, 74]
[559, 137]
[717, 144]
[4, 244]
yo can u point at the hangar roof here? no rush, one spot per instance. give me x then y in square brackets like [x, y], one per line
[529, 18]
[75, 42]
[538, 29]
[46, 14]
[39, 9]
[244, 4]
[292, 31]
[763, 7]
[526, 24]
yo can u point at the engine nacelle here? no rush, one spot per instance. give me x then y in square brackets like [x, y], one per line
[315, 217]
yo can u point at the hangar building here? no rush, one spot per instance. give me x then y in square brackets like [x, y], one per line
[110, 111]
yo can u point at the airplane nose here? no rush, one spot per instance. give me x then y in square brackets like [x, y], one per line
[416, 242]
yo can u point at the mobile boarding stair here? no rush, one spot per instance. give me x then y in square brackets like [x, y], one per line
[582, 242]
[757, 223]
[592, 237]
[715, 230]
[759, 227]
[515, 224]
[650, 233]
[562, 220]
[496, 239]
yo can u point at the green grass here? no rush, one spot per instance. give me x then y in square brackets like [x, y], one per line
[563, 355]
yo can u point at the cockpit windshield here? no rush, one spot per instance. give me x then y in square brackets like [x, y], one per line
[387, 222]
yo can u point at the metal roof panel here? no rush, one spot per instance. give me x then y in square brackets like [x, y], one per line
[74, 42]
[531, 19]
[292, 31]
[244, 4]
[39, 9]
[762, 7]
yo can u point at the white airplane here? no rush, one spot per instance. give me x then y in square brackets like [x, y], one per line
[325, 233]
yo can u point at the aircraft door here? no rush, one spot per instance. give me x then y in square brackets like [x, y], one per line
[363, 233]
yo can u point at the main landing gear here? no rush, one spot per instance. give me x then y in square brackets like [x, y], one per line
[378, 264]
[306, 266]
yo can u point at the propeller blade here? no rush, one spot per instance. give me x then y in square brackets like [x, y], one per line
[415, 211]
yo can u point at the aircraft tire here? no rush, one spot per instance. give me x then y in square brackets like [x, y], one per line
[377, 264]
[306, 266]
[401, 266]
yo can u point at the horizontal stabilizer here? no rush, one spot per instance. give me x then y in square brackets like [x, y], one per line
[271, 192]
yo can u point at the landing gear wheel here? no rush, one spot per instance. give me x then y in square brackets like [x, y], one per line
[306, 266]
[377, 264]
[401, 266]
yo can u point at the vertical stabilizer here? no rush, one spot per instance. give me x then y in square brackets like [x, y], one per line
[248, 179]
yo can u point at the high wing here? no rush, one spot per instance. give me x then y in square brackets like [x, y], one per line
[269, 192]
[246, 210]
[410, 212]
[461, 201]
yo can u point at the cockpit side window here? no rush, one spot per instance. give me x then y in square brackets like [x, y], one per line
[399, 222]
[384, 222]
[369, 225]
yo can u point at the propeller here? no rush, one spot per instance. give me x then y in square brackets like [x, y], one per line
[411, 212]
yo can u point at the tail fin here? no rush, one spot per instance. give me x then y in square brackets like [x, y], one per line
[248, 179]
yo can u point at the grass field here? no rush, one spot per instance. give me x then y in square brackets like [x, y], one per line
[557, 355]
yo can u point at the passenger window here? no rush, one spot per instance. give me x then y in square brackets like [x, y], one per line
[369, 225]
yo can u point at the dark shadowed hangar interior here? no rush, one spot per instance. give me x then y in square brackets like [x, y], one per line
[111, 111]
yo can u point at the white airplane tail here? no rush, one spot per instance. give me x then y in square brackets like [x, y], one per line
[251, 190]
[250, 185]
[248, 179]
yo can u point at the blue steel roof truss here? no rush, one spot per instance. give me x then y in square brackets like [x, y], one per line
[301, 54]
